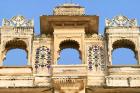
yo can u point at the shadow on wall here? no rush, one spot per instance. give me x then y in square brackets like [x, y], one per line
[15, 57]
[69, 56]
[123, 56]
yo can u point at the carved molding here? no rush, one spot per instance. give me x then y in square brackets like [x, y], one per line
[94, 36]
[122, 77]
[69, 9]
[121, 21]
[18, 21]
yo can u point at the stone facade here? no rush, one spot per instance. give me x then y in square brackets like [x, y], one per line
[69, 27]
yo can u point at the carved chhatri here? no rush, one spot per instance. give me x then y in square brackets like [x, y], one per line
[69, 27]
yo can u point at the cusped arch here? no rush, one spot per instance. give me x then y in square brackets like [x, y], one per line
[124, 43]
[69, 44]
[16, 43]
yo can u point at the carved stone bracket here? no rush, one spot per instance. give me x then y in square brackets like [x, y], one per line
[68, 85]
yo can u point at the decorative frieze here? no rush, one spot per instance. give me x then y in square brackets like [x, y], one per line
[18, 21]
[121, 21]
[122, 80]
[94, 36]
[69, 9]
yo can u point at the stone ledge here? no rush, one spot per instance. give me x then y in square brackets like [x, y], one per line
[112, 90]
[27, 90]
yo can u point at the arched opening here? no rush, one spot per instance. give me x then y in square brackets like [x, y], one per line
[124, 53]
[15, 53]
[69, 53]
[16, 43]
[123, 56]
[15, 57]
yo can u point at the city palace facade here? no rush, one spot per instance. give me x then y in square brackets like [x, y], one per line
[69, 27]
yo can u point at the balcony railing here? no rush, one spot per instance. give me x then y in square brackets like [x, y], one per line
[124, 70]
[69, 70]
[12, 71]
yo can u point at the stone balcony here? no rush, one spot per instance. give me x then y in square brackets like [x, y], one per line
[69, 78]
[69, 70]
[123, 76]
[15, 71]
[16, 77]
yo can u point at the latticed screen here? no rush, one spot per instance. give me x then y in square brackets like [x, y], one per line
[43, 57]
[95, 58]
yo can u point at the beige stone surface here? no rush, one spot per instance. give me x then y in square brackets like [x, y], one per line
[69, 27]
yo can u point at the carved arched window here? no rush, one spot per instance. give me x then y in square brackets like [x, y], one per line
[43, 57]
[95, 58]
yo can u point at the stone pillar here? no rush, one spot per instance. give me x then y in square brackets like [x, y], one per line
[83, 49]
[138, 56]
[109, 51]
[56, 47]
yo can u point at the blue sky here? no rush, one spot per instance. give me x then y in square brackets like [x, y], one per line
[32, 9]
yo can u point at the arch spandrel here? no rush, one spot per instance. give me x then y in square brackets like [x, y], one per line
[69, 44]
[94, 39]
[16, 43]
[124, 43]
[13, 44]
